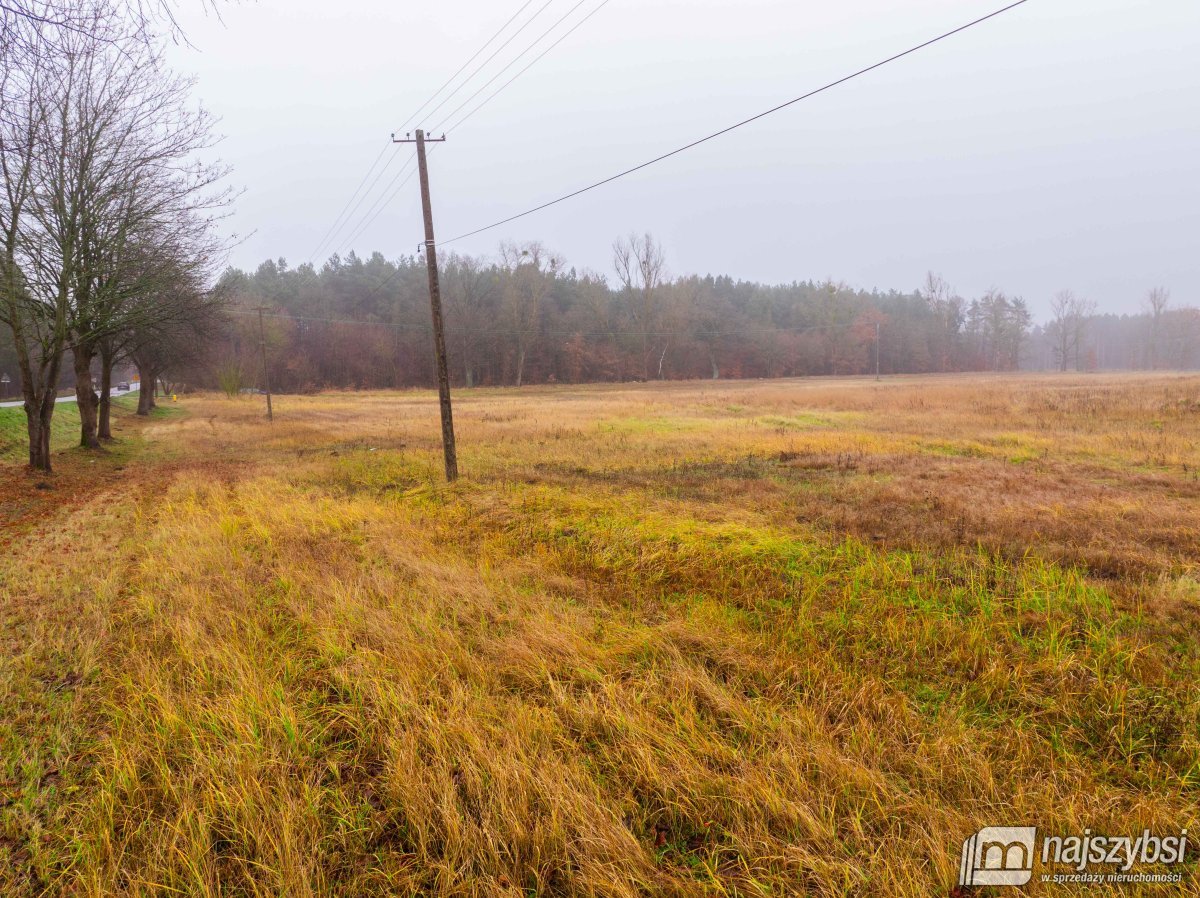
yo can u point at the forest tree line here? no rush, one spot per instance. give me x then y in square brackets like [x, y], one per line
[525, 317]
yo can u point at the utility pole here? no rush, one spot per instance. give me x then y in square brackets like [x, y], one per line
[877, 350]
[262, 345]
[435, 304]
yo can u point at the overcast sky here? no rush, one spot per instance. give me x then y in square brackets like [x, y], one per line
[1056, 146]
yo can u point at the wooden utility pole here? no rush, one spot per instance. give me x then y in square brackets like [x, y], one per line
[435, 304]
[877, 350]
[262, 345]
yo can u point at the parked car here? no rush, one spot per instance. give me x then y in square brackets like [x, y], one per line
[123, 386]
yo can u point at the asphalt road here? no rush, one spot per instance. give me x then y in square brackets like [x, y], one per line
[115, 393]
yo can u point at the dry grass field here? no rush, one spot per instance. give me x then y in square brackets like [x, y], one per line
[735, 638]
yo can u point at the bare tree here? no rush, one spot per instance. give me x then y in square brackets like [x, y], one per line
[117, 209]
[1158, 299]
[947, 308]
[1068, 327]
[169, 323]
[39, 328]
[1059, 328]
[530, 270]
[104, 205]
[41, 26]
[173, 345]
[641, 268]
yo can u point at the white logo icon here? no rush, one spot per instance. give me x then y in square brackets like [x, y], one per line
[998, 856]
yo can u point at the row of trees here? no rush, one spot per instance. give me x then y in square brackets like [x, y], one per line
[526, 316]
[1076, 338]
[107, 242]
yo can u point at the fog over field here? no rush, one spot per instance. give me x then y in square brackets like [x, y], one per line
[809, 509]
[1054, 147]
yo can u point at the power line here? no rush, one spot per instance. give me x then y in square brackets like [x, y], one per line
[709, 137]
[465, 64]
[499, 90]
[374, 210]
[328, 233]
[377, 211]
[740, 332]
[366, 224]
[338, 223]
[362, 198]
[536, 59]
[394, 194]
[541, 37]
[381, 203]
[483, 64]
[262, 337]
[740, 124]
[492, 96]
[300, 319]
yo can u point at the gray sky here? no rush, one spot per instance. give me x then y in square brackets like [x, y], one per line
[1056, 146]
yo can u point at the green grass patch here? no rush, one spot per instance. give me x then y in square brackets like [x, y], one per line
[653, 425]
[959, 450]
[996, 642]
[14, 437]
[64, 426]
[796, 422]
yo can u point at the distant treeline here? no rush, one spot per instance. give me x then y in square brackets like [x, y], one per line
[1122, 343]
[525, 317]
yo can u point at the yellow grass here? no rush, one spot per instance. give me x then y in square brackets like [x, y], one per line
[752, 638]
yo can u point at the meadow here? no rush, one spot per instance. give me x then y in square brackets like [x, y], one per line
[703, 638]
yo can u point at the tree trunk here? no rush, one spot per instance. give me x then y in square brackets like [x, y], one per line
[38, 419]
[520, 366]
[713, 361]
[145, 390]
[85, 397]
[647, 346]
[39, 389]
[104, 426]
